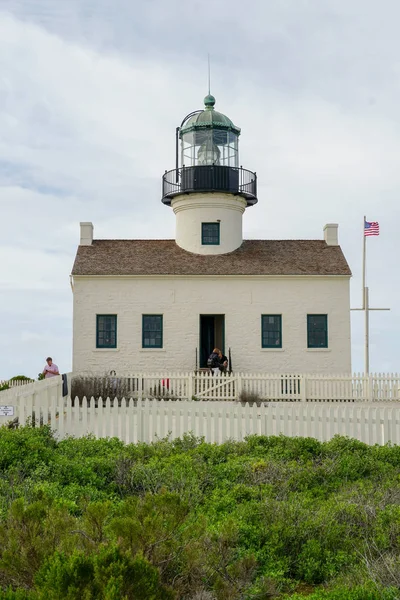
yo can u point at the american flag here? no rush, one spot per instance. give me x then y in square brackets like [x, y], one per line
[371, 228]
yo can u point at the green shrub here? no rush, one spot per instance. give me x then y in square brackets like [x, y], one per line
[93, 518]
[23, 449]
[368, 591]
[11, 594]
[109, 574]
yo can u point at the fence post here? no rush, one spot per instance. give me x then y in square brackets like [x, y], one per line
[140, 381]
[303, 388]
[190, 386]
[370, 388]
[139, 416]
[238, 387]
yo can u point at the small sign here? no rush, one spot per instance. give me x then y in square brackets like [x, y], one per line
[6, 411]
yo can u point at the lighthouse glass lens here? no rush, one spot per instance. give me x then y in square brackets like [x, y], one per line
[209, 147]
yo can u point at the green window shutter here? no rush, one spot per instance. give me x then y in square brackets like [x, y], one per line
[106, 331]
[152, 331]
[210, 234]
[317, 331]
[271, 331]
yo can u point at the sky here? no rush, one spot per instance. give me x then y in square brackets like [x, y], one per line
[91, 92]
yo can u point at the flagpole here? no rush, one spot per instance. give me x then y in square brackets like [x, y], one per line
[366, 321]
[365, 303]
[373, 230]
[363, 263]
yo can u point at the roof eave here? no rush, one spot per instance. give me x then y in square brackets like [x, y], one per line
[210, 276]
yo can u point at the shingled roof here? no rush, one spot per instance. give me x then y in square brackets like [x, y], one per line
[254, 257]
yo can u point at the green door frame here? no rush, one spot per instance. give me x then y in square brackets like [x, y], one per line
[203, 359]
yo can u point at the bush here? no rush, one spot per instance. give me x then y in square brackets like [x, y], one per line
[25, 448]
[109, 574]
[10, 594]
[368, 591]
[100, 387]
[249, 397]
[268, 517]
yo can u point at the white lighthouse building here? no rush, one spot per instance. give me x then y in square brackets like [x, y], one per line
[280, 306]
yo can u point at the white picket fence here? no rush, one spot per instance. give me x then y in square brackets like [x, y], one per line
[14, 382]
[39, 389]
[378, 387]
[262, 386]
[157, 405]
[148, 420]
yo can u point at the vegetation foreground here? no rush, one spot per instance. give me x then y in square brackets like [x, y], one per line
[267, 518]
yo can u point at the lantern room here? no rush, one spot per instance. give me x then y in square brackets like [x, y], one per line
[209, 138]
[207, 157]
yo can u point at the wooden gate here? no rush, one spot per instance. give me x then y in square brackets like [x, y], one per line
[214, 387]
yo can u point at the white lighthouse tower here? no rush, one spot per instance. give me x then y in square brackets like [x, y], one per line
[208, 191]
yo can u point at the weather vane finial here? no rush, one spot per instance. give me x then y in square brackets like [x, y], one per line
[209, 75]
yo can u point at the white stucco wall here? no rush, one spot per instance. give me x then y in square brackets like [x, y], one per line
[241, 299]
[192, 210]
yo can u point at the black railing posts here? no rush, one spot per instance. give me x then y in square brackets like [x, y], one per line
[210, 178]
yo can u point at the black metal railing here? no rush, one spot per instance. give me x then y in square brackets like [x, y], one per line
[213, 178]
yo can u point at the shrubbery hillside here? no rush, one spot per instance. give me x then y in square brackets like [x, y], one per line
[87, 519]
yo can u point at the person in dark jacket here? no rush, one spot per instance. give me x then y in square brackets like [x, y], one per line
[223, 362]
[213, 361]
[217, 362]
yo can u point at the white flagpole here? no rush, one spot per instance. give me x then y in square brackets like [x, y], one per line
[366, 321]
[363, 263]
[365, 305]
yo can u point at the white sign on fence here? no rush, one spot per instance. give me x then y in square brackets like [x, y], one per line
[6, 411]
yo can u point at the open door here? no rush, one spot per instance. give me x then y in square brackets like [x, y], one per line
[212, 335]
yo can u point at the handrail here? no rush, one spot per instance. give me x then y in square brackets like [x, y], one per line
[210, 178]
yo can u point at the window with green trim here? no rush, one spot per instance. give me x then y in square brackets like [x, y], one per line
[106, 331]
[152, 331]
[271, 331]
[210, 234]
[317, 331]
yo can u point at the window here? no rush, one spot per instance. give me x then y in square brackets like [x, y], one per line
[210, 234]
[317, 331]
[152, 331]
[271, 331]
[106, 331]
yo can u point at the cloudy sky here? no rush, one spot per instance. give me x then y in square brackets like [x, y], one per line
[91, 92]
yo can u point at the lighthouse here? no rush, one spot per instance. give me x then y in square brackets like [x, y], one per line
[208, 190]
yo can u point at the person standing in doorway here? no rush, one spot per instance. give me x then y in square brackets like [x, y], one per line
[50, 369]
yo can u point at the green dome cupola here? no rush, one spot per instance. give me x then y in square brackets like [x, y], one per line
[208, 118]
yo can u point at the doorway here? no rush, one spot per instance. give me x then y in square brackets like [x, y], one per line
[212, 335]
